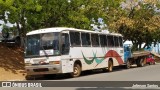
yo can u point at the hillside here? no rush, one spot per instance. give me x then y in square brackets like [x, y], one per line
[11, 63]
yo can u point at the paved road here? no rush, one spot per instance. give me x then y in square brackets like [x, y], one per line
[146, 73]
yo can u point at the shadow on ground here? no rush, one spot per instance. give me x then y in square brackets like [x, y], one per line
[11, 58]
[83, 74]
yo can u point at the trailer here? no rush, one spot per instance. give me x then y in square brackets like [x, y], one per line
[137, 57]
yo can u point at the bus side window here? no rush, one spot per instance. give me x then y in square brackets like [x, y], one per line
[116, 43]
[103, 40]
[110, 41]
[65, 43]
[85, 37]
[75, 39]
[95, 40]
[120, 41]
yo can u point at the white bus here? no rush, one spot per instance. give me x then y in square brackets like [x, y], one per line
[70, 50]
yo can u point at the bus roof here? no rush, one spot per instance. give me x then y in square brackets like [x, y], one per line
[60, 29]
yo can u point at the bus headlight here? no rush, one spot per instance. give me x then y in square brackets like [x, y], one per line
[54, 62]
[28, 64]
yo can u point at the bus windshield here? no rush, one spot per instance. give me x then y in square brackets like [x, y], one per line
[42, 44]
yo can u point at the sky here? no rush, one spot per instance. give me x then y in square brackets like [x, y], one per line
[7, 24]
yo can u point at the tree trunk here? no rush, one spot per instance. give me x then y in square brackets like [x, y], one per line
[135, 46]
[19, 29]
[140, 45]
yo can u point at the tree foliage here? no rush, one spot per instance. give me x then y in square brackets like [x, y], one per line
[136, 20]
[139, 23]
[34, 14]
[18, 12]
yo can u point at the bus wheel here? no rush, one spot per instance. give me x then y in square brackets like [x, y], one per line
[76, 71]
[128, 64]
[50, 76]
[110, 66]
[104, 69]
[29, 77]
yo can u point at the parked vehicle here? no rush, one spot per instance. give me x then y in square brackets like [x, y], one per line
[137, 57]
[70, 50]
[150, 60]
[10, 38]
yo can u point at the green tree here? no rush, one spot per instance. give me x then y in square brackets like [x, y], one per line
[34, 14]
[18, 12]
[138, 23]
[74, 13]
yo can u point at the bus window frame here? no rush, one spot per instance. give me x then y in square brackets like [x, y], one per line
[90, 45]
[98, 40]
[120, 43]
[109, 40]
[79, 39]
[64, 32]
[106, 44]
[116, 44]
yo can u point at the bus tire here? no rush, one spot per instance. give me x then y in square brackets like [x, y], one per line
[128, 64]
[110, 66]
[29, 77]
[49, 76]
[76, 71]
[104, 69]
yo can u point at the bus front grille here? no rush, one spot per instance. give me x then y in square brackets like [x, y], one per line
[40, 70]
[41, 64]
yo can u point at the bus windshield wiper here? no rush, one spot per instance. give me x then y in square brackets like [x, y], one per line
[44, 52]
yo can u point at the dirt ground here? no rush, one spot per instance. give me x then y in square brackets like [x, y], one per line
[11, 63]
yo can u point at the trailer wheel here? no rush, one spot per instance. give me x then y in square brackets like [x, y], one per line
[110, 66]
[140, 62]
[154, 63]
[76, 71]
[151, 63]
[128, 64]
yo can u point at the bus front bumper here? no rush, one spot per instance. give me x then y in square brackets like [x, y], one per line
[43, 69]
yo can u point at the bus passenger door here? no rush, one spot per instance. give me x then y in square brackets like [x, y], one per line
[66, 62]
[65, 45]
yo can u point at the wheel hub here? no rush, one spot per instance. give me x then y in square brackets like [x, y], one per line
[75, 70]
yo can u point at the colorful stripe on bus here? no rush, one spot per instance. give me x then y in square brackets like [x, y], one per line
[110, 53]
